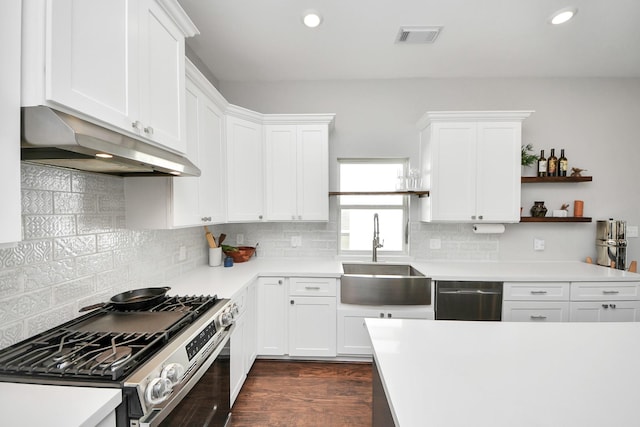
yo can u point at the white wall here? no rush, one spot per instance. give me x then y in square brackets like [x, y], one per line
[595, 120]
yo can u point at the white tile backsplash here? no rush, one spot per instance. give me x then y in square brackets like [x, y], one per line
[76, 250]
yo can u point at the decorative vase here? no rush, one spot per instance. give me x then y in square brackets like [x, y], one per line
[538, 209]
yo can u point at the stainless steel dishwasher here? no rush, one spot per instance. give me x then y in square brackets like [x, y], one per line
[468, 300]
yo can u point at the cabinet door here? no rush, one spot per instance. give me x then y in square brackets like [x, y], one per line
[200, 200]
[535, 311]
[237, 372]
[605, 311]
[186, 190]
[92, 62]
[244, 170]
[251, 339]
[312, 326]
[272, 316]
[498, 171]
[313, 173]
[162, 64]
[10, 215]
[453, 176]
[281, 172]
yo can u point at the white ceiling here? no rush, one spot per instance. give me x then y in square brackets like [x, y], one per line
[264, 40]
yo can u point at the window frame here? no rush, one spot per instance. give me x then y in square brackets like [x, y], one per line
[404, 207]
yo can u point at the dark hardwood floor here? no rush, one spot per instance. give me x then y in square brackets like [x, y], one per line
[283, 393]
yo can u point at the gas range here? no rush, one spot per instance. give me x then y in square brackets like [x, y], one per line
[154, 355]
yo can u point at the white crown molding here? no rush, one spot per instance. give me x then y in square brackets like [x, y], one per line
[205, 85]
[299, 119]
[452, 116]
[180, 17]
[244, 113]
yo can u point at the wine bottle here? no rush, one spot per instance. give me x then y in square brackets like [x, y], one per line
[563, 164]
[552, 164]
[542, 164]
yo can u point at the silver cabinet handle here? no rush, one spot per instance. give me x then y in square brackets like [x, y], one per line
[312, 288]
[206, 218]
[473, 217]
[389, 315]
[538, 317]
[610, 292]
[605, 305]
[481, 217]
[279, 282]
[136, 125]
[148, 130]
[538, 292]
[291, 302]
[382, 315]
[612, 305]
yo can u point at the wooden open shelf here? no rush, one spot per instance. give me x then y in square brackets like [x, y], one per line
[380, 193]
[555, 219]
[556, 179]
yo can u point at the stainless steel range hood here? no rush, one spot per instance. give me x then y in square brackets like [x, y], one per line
[55, 138]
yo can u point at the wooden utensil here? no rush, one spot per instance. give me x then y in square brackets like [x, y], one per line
[210, 238]
[221, 238]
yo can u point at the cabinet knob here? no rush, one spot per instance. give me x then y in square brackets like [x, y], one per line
[206, 218]
[389, 315]
[279, 282]
[382, 315]
[612, 305]
[291, 302]
[148, 130]
[299, 216]
[481, 217]
[136, 125]
[259, 216]
[473, 217]
[605, 305]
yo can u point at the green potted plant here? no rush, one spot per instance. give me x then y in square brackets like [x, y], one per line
[527, 158]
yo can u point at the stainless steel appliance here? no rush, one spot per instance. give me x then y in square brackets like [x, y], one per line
[468, 300]
[156, 355]
[611, 243]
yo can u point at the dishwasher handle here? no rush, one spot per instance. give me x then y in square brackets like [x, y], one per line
[469, 292]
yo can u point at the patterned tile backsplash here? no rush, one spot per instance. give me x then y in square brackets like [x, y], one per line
[76, 250]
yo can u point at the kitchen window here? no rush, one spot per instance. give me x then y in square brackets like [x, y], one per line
[356, 212]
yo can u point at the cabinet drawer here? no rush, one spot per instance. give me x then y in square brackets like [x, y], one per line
[534, 311]
[312, 286]
[598, 291]
[536, 291]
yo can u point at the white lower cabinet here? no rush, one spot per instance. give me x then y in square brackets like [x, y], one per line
[353, 338]
[535, 311]
[605, 311]
[312, 317]
[605, 302]
[272, 316]
[535, 302]
[243, 339]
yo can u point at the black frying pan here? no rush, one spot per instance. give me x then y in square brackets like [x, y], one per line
[137, 299]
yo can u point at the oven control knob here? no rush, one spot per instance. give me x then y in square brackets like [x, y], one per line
[235, 311]
[226, 319]
[173, 372]
[158, 390]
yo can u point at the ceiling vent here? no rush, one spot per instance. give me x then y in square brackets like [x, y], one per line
[418, 34]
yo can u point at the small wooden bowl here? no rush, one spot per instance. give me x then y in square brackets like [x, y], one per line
[242, 254]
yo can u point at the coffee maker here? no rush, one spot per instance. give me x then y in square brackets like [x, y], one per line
[611, 243]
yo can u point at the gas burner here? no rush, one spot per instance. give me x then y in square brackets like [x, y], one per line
[113, 357]
[65, 356]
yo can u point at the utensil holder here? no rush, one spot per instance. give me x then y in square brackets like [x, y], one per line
[215, 257]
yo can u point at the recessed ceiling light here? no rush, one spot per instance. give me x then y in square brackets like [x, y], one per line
[563, 15]
[104, 155]
[311, 19]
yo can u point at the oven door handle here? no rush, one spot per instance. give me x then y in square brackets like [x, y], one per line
[157, 415]
[470, 292]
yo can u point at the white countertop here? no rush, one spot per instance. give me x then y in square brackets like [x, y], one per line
[30, 405]
[450, 373]
[226, 281]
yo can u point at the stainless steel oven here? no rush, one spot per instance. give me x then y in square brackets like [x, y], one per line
[457, 300]
[165, 359]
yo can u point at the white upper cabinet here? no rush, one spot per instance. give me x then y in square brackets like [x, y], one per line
[297, 171]
[167, 202]
[471, 165]
[119, 63]
[10, 219]
[244, 172]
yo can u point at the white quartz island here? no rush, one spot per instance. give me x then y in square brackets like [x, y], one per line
[450, 373]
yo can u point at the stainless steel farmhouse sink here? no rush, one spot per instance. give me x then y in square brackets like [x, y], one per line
[384, 284]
